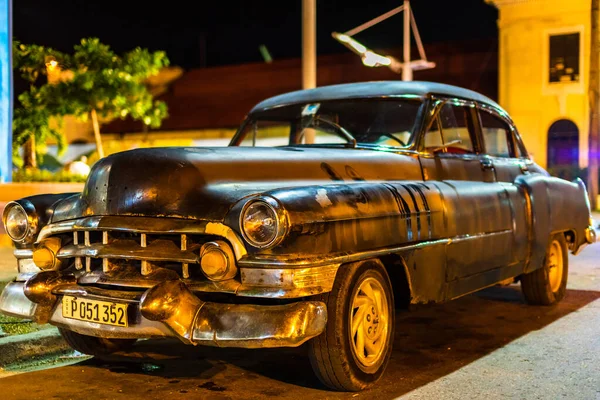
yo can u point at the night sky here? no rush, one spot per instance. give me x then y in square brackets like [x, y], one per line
[199, 33]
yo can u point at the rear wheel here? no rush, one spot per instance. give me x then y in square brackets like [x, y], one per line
[353, 351]
[548, 285]
[95, 346]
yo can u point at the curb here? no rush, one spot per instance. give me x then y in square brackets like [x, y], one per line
[31, 346]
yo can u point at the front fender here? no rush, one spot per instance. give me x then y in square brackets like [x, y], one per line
[40, 209]
[353, 217]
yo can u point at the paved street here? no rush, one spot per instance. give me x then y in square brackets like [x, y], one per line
[488, 345]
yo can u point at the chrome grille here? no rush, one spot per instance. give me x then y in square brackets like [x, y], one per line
[114, 249]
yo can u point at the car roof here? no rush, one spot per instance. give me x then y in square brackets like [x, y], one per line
[372, 89]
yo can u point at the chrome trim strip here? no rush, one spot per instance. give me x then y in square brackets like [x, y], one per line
[276, 262]
[147, 225]
[98, 293]
[286, 283]
[133, 252]
[23, 253]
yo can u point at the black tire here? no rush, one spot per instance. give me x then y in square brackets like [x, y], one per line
[537, 285]
[95, 346]
[333, 354]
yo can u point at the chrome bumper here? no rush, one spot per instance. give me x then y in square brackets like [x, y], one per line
[590, 234]
[170, 310]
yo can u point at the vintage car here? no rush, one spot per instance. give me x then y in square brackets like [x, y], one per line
[331, 207]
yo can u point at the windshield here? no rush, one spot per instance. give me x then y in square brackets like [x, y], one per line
[371, 122]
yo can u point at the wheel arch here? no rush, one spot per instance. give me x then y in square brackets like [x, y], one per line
[397, 270]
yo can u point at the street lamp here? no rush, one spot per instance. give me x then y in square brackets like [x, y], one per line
[372, 59]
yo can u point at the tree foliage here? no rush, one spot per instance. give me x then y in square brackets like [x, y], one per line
[92, 80]
[111, 85]
[32, 118]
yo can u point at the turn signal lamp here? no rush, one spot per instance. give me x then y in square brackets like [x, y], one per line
[217, 261]
[45, 254]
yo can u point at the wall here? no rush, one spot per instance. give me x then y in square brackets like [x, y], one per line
[524, 91]
[220, 97]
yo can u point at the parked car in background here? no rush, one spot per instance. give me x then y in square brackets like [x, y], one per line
[331, 207]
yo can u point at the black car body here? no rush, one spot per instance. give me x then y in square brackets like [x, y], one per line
[375, 193]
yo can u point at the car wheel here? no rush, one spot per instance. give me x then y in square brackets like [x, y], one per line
[353, 351]
[548, 285]
[95, 346]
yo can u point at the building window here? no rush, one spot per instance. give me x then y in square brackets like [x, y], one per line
[564, 58]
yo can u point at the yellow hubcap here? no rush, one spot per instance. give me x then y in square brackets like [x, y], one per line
[369, 322]
[555, 266]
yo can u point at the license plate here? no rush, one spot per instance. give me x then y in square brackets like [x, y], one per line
[100, 312]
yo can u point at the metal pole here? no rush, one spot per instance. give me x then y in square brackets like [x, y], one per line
[594, 99]
[5, 91]
[374, 21]
[407, 73]
[309, 44]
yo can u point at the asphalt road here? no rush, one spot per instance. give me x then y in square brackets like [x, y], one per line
[487, 345]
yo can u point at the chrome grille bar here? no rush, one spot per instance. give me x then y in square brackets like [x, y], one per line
[185, 267]
[86, 242]
[78, 263]
[105, 261]
[143, 243]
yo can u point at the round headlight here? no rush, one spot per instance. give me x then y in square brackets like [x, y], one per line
[16, 222]
[260, 223]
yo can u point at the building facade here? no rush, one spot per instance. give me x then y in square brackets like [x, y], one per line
[544, 54]
[216, 99]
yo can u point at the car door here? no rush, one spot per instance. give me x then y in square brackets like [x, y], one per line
[477, 211]
[502, 144]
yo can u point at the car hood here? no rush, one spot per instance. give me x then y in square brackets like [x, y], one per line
[204, 183]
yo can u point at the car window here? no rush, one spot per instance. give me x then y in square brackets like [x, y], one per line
[455, 129]
[266, 134]
[317, 134]
[433, 137]
[372, 122]
[496, 135]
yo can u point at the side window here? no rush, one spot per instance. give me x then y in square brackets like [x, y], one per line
[433, 137]
[455, 135]
[455, 129]
[496, 135]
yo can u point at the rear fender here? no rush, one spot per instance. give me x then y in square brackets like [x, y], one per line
[554, 206]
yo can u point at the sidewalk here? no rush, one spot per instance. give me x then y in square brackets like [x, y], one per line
[8, 264]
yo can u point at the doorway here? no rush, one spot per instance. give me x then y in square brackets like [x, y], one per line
[563, 146]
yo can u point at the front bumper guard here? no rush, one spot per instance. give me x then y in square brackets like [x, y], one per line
[169, 309]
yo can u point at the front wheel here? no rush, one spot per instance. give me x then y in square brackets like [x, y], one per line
[548, 285]
[353, 351]
[95, 346]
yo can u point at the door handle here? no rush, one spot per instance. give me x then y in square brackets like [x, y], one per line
[487, 163]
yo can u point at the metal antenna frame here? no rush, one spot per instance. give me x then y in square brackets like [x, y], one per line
[372, 59]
